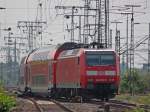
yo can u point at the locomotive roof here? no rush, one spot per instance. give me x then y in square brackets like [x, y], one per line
[99, 50]
[68, 49]
[77, 52]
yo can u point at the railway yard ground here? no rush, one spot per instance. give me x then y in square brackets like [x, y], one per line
[122, 103]
[26, 105]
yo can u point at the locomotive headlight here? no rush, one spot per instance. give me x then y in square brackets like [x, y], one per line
[110, 73]
[91, 73]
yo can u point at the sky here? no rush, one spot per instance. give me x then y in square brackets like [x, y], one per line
[140, 30]
[22, 10]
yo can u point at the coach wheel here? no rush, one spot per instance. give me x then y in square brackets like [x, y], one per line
[49, 93]
[71, 93]
[30, 90]
[55, 94]
[26, 89]
[80, 99]
[102, 99]
[106, 99]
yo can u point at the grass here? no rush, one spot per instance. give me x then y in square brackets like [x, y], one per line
[6, 101]
[138, 99]
[136, 110]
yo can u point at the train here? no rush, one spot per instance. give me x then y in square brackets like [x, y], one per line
[70, 70]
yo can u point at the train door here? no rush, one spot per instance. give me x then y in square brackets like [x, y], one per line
[26, 75]
[54, 68]
[22, 77]
[50, 72]
[27, 81]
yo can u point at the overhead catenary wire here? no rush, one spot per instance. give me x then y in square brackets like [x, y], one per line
[51, 17]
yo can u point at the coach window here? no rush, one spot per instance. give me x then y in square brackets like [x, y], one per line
[75, 51]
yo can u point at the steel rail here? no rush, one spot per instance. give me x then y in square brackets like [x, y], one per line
[38, 107]
[62, 106]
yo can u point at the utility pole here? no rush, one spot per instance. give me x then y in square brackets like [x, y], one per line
[123, 63]
[31, 28]
[127, 40]
[102, 7]
[132, 46]
[98, 29]
[14, 42]
[132, 37]
[40, 20]
[86, 22]
[116, 37]
[107, 22]
[12, 54]
[80, 25]
[117, 42]
[73, 9]
[15, 55]
[9, 58]
[1, 73]
[82, 18]
[80, 30]
[72, 25]
[110, 39]
[127, 43]
[149, 51]
[1, 68]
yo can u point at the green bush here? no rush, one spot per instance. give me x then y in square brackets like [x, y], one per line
[6, 102]
[134, 83]
[1, 88]
[136, 110]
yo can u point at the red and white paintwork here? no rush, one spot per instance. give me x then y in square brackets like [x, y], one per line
[68, 71]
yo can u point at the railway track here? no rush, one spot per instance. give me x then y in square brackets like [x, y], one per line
[111, 106]
[40, 103]
[119, 104]
[114, 103]
[130, 104]
[45, 105]
[59, 104]
[62, 106]
[37, 106]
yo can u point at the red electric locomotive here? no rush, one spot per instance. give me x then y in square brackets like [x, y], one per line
[71, 70]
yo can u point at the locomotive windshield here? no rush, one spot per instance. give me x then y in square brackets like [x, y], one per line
[94, 58]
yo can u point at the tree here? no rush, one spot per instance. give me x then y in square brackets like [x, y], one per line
[133, 83]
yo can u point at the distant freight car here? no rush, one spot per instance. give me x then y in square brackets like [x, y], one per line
[70, 70]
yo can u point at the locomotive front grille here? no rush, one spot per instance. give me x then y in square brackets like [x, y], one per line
[106, 87]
